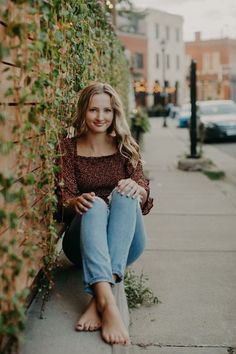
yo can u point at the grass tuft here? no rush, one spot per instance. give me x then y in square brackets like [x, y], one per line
[214, 175]
[137, 292]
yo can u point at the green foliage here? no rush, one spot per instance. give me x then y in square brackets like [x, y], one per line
[140, 121]
[137, 292]
[59, 49]
[214, 174]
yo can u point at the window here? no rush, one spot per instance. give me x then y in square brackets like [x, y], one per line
[167, 33]
[167, 61]
[206, 61]
[157, 30]
[138, 60]
[157, 61]
[177, 62]
[215, 61]
[177, 34]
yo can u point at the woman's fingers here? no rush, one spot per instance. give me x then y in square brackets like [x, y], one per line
[89, 196]
[83, 202]
[125, 184]
[137, 194]
[128, 187]
[134, 191]
[78, 210]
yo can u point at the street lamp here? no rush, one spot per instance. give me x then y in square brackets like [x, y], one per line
[163, 47]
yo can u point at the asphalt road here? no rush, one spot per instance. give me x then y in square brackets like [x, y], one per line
[228, 148]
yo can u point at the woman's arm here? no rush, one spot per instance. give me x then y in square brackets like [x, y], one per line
[137, 174]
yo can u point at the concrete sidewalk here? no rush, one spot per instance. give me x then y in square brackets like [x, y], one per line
[190, 261]
[191, 254]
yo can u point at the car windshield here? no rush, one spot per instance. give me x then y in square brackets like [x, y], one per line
[218, 108]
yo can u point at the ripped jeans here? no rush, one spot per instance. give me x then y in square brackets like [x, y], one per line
[105, 239]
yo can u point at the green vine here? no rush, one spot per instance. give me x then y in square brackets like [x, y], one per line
[49, 51]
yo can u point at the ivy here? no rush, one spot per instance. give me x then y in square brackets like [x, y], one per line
[58, 50]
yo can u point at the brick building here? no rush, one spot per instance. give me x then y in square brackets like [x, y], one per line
[136, 52]
[155, 49]
[216, 67]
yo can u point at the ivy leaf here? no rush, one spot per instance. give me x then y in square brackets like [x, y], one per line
[4, 52]
[32, 116]
[15, 29]
[6, 182]
[3, 216]
[59, 37]
[2, 118]
[12, 220]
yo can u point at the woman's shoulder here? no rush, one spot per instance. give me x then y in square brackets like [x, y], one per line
[66, 146]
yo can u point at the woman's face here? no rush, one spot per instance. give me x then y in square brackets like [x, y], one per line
[99, 114]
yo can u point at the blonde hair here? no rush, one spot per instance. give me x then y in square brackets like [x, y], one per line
[126, 143]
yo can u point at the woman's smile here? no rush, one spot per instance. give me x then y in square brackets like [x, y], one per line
[100, 124]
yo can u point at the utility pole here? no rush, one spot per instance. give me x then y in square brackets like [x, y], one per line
[193, 119]
[163, 47]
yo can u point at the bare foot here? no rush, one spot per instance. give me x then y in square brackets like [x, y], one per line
[113, 328]
[90, 320]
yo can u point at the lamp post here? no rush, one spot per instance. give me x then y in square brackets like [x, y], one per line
[163, 47]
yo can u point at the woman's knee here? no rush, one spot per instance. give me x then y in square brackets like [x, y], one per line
[116, 196]
[99, 206]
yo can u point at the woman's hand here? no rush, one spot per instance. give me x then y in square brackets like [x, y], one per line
[130, 188]
[83, 202]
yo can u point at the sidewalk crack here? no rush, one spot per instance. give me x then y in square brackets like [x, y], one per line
[230, 350]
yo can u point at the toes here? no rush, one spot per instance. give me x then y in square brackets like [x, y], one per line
[79, 327]
[93, 327]
[87, 326]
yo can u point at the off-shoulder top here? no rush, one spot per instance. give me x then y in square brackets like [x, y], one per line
[81, 174]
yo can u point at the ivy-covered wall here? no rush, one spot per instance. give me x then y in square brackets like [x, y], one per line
[49, 50]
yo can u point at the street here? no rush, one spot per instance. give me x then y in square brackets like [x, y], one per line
[227, 147]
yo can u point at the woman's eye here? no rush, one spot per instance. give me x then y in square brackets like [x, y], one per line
[108, 110]
[93, 110]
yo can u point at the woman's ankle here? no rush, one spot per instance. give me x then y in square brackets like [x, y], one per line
[104, 295]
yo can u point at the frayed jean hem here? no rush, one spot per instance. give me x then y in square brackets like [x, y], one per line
[120, 276]
[88, 287]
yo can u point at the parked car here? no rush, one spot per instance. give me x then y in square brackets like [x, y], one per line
[184, 115]
[217, 119]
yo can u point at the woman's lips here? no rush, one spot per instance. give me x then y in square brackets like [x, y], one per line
[99, 124]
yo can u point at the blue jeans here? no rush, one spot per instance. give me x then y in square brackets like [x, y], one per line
[105, 239]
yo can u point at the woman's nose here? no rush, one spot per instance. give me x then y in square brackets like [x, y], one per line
[100, 115]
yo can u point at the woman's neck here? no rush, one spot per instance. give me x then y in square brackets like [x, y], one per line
[98, 144]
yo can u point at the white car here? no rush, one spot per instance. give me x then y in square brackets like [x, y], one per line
[217, 119]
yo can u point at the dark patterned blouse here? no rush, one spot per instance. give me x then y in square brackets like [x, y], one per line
[81, 174]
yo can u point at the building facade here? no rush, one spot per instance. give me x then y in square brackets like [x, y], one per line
[136, 53]
[216, 67]
[166, 57]
[157, 55]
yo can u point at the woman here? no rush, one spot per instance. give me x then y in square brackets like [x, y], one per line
[103, 193]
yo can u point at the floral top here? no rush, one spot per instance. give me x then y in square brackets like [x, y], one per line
[81, 174]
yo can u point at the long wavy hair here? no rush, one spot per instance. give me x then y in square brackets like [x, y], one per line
[119, 127]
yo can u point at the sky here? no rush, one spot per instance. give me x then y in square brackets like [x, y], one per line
[214, 18]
